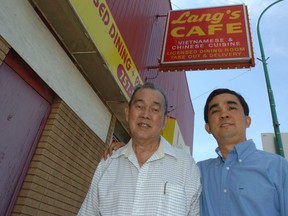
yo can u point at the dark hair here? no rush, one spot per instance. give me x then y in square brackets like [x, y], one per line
[224, 91]
[149, 85]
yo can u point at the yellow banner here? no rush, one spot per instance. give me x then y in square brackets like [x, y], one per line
[101, 26]
[169, 131]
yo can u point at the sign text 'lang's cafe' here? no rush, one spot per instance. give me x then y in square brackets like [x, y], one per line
[207, 38]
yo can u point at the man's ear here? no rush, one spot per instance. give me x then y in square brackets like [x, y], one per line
[248, 121]
[207, 128]
[126, 112]
[165, 121]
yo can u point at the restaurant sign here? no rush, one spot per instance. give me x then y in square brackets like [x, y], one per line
[102, 28]
[207, 38]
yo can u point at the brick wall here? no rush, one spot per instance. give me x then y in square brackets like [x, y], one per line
[111, 129]
[4, 48]
[61, 170]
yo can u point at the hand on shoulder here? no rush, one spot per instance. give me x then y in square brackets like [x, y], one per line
[113, 147]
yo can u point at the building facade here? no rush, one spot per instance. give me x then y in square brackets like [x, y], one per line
[67, 69]
[269, 143]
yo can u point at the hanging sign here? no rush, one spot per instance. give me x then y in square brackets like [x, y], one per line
[207, 38]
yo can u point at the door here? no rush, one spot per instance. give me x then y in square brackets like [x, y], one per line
[22, 110]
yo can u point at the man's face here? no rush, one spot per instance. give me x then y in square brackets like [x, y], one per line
[146, 115]
[226, 119]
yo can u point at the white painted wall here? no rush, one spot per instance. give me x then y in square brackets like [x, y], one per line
[21, 27]
[178, 139]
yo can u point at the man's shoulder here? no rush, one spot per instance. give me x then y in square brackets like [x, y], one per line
[177, 152]
[207, 162]
[271, 157]
[182, 154]
[120, 152]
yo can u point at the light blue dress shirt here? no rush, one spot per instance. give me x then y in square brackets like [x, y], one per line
[249, 182]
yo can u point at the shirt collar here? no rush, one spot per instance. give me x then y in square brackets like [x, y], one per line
[241, 150]
[164, 148]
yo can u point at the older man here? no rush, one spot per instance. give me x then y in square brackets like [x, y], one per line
[147, 176]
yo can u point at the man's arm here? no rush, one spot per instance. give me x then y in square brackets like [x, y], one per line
[194, 180]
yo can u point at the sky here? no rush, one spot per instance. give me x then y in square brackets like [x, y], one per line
[250, 83]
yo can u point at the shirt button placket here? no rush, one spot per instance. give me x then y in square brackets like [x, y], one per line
[140, 189]
[225, 201]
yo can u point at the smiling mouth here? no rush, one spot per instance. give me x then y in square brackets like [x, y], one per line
[143, 125]
[225, 124]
